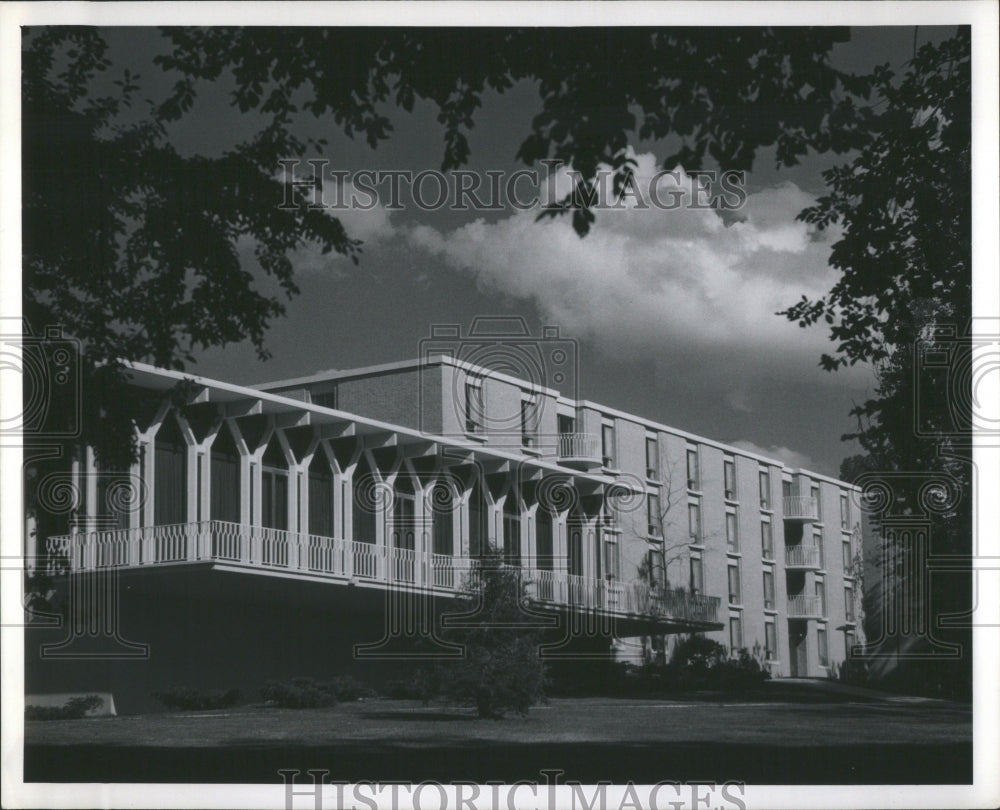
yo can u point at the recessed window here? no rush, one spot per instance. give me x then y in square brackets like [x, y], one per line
[474, 405]
[821, 597]
[735, 633]
[848, 556]
[327, 399]
[768, 590]
[694, 476]
[697, 578]
[694, 522]
[848, 644]
[766, 540]
[735, 593]
[653, 515]
[818, 543]
[849, 603]
[608, 445]
[845, 519]
[814, 492]
[529, 422]
[765, 489]
[771, 641]
[732, 534]
[652, 459]
[821, 647]
[729, 474]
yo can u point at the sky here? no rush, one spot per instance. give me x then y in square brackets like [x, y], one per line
[671, 314]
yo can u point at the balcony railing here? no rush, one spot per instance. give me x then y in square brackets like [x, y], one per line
[337, 558]
[579, 447]
[802, 557]
[800, 507]
[805, 606]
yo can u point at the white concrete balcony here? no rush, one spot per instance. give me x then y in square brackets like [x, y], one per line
[232, 546]
[580, 449]
[805, 607]
[800, 507]
[801, 556]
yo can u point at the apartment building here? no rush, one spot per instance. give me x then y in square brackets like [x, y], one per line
[338, 492]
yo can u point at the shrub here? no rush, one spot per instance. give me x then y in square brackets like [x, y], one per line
[347, 688]
[299, 693]
[74, 709]
[424, 685]
[187, 699]
[501, 669]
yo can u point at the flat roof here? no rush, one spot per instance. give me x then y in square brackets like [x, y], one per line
[444, 359]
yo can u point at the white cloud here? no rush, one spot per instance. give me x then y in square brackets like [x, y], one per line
[791, 458]
[666, 284]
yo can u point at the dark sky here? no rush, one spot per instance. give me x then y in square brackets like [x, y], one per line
[671, 317]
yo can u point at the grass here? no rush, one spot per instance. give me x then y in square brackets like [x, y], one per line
[590, 738]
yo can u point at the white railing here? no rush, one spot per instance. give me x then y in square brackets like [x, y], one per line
[804, 606]
[219, 541]
[579, 445]
[800, 507]
[801, 556]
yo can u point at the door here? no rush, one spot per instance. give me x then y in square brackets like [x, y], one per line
[797, 636]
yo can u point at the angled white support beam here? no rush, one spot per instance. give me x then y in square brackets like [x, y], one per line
[335, 430]
[291, 419]
[381, 438]
[246, 407]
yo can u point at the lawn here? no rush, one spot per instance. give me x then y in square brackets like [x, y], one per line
[842, 742]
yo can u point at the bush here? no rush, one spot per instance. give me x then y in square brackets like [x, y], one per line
[424, 685]
[73, 709]
[299, 693]
[186, 699]
[347, 688]
[501, 669]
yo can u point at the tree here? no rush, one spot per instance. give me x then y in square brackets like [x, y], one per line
[500, 668]
[132, 246]
[904, 207]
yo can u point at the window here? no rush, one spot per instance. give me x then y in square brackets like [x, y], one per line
[786, 489]
[692, 465]
[849, 603]
[653, 514]
[735, 596]
[768, 590]
[821, 647]
[697, 579]
[611, 569]
[845, 519]
[848, 644]
[848, 557]
[328, 399]
[771, 641]
[652, 458]
[765, 489]
[732, 537]
[818, 543]
[821, 596]
[735, 633]
[474, 405]
[608, 445]
[814, 492]
[566, 423]
[655, 565]
[766, 540]
[694, 522]
[529, 422]
[729, 474]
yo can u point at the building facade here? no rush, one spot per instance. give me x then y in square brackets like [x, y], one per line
[359, 484]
